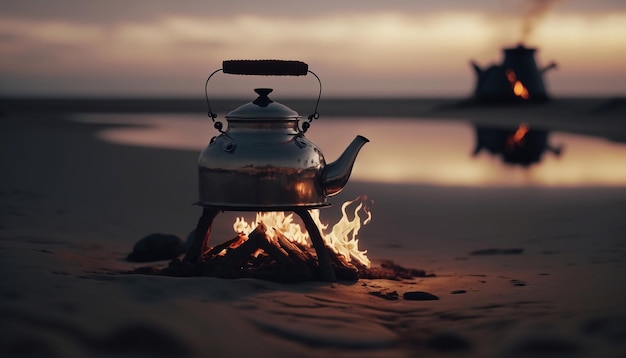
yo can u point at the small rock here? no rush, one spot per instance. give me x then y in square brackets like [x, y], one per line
[458, 292]
[391, 296]
[155, 247]
[419, 296]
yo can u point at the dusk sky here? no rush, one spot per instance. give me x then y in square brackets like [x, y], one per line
[358, 48]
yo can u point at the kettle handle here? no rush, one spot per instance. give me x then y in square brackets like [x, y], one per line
[265, 67]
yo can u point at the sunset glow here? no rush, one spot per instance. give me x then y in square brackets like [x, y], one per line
[354, 53]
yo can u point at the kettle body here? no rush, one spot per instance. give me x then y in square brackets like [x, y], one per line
[263, 161]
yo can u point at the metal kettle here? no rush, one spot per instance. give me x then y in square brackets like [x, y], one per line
[494, 83]
[262, 160]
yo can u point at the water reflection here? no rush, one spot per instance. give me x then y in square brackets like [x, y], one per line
[516, 146]
[436, 152]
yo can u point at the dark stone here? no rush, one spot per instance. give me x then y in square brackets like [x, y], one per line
[497, 252]
[155, 247]
[419, 296]
[457, 292]
[389, 270]
[391, 296]
[448, 342]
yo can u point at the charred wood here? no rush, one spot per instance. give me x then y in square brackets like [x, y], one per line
[235, 260]
[392, 271]
[228, 245]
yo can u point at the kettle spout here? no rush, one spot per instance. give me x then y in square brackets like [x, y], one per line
[548, 67]
[477, 69]
[337, 173]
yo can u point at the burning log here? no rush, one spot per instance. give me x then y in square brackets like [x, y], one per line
[295, 251]
[230, 244]
[302, 260]
[233, 262]
[344, 270]
[253, 256]
[276, 252]
[276, 249]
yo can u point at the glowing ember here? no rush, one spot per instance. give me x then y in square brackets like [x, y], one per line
[518, 87]
[517, 139]
[342, 238]
[236, 243]
[520, 132]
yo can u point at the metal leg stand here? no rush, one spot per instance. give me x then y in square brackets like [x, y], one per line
[202, 235]
[323, 259]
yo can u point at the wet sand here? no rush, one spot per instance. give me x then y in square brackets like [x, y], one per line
[520, 272]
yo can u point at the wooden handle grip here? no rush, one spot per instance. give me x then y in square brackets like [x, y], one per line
[265, 67]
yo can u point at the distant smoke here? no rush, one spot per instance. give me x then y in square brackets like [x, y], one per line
[534, 11]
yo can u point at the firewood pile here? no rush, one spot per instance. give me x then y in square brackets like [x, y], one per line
[276, 258]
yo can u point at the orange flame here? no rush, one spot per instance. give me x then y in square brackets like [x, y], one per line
[517, 139]
[342, 238]
[236, 243]
[518, 87]
[520, 132]
[274, 220]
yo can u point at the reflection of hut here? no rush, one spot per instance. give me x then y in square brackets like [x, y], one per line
[517, 79]
[521, 146]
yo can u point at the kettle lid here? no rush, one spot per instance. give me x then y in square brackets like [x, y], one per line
[262, 108]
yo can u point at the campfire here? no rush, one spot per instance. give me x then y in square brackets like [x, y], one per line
[342, 238]
[518, 87]
[517, 79]
[276, 248]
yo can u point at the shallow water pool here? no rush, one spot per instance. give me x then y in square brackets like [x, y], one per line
[418, 151]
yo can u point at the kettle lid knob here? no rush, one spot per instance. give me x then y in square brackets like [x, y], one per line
[263, 100]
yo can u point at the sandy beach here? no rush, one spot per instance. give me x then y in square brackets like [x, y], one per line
[518, 272]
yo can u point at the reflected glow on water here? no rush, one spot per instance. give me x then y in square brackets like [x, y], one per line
[434, 152]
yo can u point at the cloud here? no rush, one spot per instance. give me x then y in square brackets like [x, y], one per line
[353, 53]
